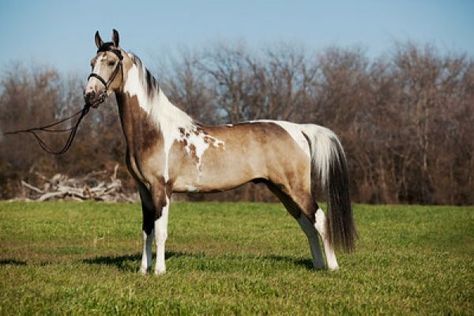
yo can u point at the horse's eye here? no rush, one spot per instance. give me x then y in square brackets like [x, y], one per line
[111, 63]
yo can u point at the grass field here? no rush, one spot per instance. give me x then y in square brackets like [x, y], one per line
[225, 258]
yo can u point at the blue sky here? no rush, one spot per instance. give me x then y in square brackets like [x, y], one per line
[60, 33]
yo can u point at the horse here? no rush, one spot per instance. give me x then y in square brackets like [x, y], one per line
[168, 151]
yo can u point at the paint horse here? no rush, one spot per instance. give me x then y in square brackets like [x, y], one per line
[167, 151]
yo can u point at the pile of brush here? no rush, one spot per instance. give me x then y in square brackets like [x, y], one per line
[93, 186]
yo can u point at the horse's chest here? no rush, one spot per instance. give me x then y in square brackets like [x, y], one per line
[145, 165]
[134, 165]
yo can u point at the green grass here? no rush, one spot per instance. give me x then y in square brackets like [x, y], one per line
[225, 258]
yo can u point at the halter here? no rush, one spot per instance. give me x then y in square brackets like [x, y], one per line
[108, 47]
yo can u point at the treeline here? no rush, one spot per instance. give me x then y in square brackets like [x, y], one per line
[406, 119]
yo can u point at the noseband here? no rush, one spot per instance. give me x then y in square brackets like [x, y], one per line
[107, 83]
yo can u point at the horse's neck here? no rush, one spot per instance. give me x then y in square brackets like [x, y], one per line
[136, 105]
[166, 115]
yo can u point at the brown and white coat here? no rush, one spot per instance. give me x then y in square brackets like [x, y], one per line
[167, 151]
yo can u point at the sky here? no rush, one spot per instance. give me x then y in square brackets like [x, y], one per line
[60, 33]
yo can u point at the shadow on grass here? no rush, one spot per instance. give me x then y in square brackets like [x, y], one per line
[13, 262]
[130, 263]
[306, 263]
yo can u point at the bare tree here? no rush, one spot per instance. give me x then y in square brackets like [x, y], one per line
[405, 119]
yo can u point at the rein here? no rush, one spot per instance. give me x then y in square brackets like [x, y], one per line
[49, 128]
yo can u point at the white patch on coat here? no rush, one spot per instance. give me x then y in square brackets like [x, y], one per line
[310, 232]
[294, 130]
[320, 225]
[200, 141]
[324, 147]
[134, 87]
[167, 117]
[161, 234]
[191, 188]
[146, 255]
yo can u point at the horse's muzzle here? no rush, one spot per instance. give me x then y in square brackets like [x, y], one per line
[94, 99]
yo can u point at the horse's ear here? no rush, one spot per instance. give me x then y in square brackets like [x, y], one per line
[115, 37]
[98, 41]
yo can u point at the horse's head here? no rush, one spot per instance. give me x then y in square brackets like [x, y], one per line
[107, 70]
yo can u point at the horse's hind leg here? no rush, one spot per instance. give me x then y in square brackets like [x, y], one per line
[313, 222]
[321, 226]
[300, 209]
[308, 228]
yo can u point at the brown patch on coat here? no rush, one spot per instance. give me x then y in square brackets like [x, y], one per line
[192, 150]
[141, 135]
[149, 132]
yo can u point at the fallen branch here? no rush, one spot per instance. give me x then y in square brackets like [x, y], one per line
[93, 186]
[29, 186]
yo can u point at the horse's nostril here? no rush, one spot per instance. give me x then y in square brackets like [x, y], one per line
[89, 96]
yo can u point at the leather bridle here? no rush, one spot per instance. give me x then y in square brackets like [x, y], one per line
[107, 83]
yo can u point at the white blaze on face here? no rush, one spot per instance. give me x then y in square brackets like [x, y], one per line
[94, 84]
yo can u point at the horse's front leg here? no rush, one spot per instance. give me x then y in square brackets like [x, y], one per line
[147, 228]
[146, 254]
[161, 234]
[161, 203]
[155, 206]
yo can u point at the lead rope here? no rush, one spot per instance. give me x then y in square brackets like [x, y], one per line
[72, 130]
[49, 129]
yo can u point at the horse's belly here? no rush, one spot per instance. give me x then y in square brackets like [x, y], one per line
[222, 174]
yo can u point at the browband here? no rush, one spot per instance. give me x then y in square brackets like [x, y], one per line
[110, 47]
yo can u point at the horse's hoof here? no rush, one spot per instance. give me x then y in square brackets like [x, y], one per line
[160, 272]
[334, 268]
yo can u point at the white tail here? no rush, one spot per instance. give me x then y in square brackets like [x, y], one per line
[330, 166]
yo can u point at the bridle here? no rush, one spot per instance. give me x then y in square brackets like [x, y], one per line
[51, 128]
[118, 66]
